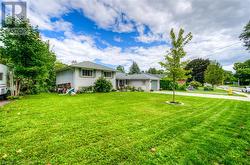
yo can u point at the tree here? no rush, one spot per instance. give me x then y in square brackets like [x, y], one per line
[120, 68]
[229, 77]
[174, 67]
[28, 57]
[134, 68]
[243, 72]
[59, 65]
[197, 67]
[245, 36]
[155, 71]
[214, 74]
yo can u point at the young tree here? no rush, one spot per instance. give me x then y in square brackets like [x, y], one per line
[28, 57]
[120, 68]
[197, 67]
[245, 36]
[214, 74]
[174, 67]
[134, 68]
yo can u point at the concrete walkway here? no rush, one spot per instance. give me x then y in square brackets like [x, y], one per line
[205, 95]
[2, 103]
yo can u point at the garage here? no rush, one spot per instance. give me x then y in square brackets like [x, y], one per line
[154, 85]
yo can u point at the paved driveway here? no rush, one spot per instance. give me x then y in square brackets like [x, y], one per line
[206, 95]
[2, 103]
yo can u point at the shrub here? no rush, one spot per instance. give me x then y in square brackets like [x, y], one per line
[85, 89]
[167, 85]
[140, 89]
[207, 88]
[102, 85]
[195, 84]
[182, 87]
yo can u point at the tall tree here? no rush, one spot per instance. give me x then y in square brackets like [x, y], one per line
[155, 71]
[174, 67]
[134, 68]
[28, 56]
[214, 74]
[197, 69]
[243, 72]
[245, 36]
[229, 77]
[120, 68]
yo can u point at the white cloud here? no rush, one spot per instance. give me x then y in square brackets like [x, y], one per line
[214, 25]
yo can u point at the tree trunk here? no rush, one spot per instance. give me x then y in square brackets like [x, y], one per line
[173, 90]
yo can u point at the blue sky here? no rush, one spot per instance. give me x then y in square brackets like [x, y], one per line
[117, 32]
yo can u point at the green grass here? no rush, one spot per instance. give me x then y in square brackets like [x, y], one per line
[216, 91]
[122, 128]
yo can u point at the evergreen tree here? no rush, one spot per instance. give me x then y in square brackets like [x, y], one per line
[134, 68]
[120, 68]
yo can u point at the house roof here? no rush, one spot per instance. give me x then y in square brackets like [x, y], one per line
[91, 65]
[88, 65]
[142, 76]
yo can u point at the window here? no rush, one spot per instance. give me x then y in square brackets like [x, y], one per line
[87, 73]
[1, 76]
[107, 74]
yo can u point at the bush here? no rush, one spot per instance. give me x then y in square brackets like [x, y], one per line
[140, 89]
[182, 87]
[167, 85]
[195, 84]
[102, 85]
[207, 88]
[85, 89]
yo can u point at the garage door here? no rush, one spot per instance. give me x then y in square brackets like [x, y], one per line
[154, 85]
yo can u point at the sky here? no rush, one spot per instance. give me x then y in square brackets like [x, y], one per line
[117, 32]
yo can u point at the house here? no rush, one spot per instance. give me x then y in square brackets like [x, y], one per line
[84, 74]
[144, 81]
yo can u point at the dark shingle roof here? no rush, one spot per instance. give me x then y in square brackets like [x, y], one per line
[91, 65]
[142, 76]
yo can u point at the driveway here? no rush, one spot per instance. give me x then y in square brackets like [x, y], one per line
[206, 95]
[2, 103]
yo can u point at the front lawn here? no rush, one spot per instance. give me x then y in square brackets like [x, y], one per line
[126, 128]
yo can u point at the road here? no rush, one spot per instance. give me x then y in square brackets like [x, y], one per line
[206, 95]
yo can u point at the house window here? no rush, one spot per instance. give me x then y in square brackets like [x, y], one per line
[1, 76]
[87, 73]
[107, 74]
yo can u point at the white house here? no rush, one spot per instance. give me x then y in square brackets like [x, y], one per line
[84, 74]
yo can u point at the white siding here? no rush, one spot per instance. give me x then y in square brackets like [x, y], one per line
[65, 77]
[144, 84]
[89, 81]
[4, 70]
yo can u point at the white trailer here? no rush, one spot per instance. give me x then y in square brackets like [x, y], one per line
[4, 90]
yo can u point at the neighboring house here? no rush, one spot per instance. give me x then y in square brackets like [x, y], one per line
[85, 74]
[144, 81]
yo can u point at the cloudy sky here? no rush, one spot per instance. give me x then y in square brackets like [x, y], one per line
[116, 32]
